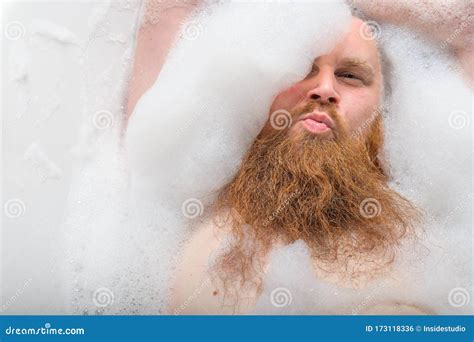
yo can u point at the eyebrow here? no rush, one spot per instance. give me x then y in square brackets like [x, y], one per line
[365, 67]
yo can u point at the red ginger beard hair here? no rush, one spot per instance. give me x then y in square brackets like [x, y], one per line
[330, 193]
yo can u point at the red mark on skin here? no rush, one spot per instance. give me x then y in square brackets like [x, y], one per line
[215, 293]
[300, 93]
[295, 92]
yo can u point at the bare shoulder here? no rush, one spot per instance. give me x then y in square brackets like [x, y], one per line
[193, 290]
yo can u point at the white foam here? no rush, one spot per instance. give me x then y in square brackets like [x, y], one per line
[429, 144]
[292, 288]
[55, 32]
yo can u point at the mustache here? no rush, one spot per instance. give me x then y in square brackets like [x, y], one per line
[340, 127]
[329, 109]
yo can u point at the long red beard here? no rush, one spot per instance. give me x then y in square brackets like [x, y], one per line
[324, 192]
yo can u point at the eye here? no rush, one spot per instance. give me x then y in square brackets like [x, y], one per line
[351, 78]
[348, 75]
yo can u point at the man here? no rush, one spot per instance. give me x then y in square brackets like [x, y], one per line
[318, 179]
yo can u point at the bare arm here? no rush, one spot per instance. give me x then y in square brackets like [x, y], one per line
[160, 27]
[450, 24]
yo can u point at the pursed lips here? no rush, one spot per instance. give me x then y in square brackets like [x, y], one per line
[317, 122]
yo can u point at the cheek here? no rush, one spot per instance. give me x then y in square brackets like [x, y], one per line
[360, 110]
[287, 99]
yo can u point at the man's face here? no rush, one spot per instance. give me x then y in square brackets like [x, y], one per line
[347, 79]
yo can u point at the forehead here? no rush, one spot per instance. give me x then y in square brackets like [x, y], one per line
[354, 45]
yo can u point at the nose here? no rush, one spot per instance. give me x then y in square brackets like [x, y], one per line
[322, 88]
